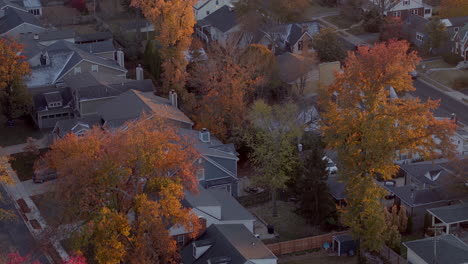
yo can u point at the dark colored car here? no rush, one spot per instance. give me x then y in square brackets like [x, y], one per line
[43, 175]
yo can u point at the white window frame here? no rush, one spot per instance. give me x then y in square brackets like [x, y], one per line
[179, 240]
[397, 14]
[419, 36]
[414, 11]
[406, 2]
[95, 68]
[77, 70]
[200, 171]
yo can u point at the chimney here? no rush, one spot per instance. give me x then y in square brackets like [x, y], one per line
[120, 58]
[139, 72]
[205, 135]
[173, 98]
[36, 36]
[454, 119]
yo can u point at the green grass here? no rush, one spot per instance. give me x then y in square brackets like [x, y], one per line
[17, 134]
[358, 30]
[433, 65]
[319, 259]
[287, 224]
[340, 21]
[316, 8]
[448, 77]
[23, 163]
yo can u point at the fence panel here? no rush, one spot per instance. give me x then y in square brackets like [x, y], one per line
[391, 256]
[302, 244]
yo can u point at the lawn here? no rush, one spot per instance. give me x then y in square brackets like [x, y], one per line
[23, 163]
[287, 224]
[318, 258]
[434, 64]
[17, 134]
[448, 77]
[357, 30]
[340, 21]
[317, 9]
[51, 210]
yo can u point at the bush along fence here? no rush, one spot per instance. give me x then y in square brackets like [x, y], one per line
[303, 244]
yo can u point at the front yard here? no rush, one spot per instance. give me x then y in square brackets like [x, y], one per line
[51, 210]
[287, 224]
[18, 133]
[23, 163]
[448, 77]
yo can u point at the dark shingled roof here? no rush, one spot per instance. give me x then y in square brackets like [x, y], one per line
[417, 23]
[39, 100]
[297, 31]
[451, 214]
[419, 171]
[56, 35]
[74, 125]
[337, 189]
[93, 37]
[53, 97]
[223, 19]
[15, 17]
[15, 4]
[98, 47]
[233, 241]
[450, 249]
[417, 197]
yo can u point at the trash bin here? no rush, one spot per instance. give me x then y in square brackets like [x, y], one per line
[271, 229]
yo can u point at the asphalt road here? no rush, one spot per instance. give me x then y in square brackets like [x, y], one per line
[448, 105]
[15, 236]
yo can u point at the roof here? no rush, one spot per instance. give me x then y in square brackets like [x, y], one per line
[93, 37]
[343, 238]
[223, 19]
[15, 4]
[131, 104]
[455, 21]
[293, 66]
[337, 189]
[64, 127]
[52, 97]
[98, 47]
[426, 173]
[417, 197]
[55, 35]
[463, 31]
[451, 214]
[450, 249]
[15, 17]
[40, 102]
[297, 30]
[214, 148]
[229, 241]
[31, 47]
[417, 23]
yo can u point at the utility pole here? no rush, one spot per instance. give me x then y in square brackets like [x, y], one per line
[435, 229]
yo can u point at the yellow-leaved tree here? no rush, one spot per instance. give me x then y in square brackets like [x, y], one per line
[368, 125]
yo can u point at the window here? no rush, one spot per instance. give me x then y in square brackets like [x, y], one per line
[427, 11]
[45, 117]
[406, 2]
[35, 12]
[300, 45]
[419, 36]
[77, 70]
[207, 12]
[180, 240]
[200, 174]
[94, 68]
[397, 14]
[217, 2]
[414, 11]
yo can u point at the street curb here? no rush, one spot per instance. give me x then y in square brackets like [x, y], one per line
[448, 93]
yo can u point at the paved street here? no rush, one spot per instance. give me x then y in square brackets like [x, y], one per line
[14, 235]
[448, 105]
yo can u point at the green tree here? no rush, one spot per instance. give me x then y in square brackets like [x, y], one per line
[437, 34]
[311, 189]
[327, 45]
[152, 60]
[273, 139]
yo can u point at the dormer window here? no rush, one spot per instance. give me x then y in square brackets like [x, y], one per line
[200, 173]
[53, 99]
[94, 68]
[77, 70]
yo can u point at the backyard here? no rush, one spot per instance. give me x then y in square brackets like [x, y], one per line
[288, 225]
[23, 163]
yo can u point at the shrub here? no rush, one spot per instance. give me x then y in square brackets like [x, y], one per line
[460, 83]
[372, 21]
[451, 58]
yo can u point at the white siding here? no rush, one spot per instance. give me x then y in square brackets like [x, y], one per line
[203, 6]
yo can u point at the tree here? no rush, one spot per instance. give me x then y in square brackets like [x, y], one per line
[311, 189]
[453, 8]
[273, 141]
[437, 34]
[103, 176]
[80, 5]
[367, 129]
[14, 97]
[4, 179]
[391, 28]
[372, 20]
[327, 45]
[174, 23]
[383, 6]
[16, 258]
[225, 87]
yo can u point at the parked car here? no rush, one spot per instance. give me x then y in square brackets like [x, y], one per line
[42, 173]
[390, 183]
[331, 166]
[414, 74]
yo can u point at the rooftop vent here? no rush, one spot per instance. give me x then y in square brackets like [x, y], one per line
[205, 135]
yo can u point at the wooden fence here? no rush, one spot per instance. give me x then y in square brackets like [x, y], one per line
[302, 244]
[391, 256]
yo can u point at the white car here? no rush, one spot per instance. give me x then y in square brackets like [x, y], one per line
[331, 166]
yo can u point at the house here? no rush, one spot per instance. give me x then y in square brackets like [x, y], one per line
[77, 126]
[204, 8]
[404, 8]
[131, 104]
[51, 104]
[414, 29]
[446, 249]
[227, 243]
[33, 6]
[15, 22]
[454, 24]
[461, 42]
[217, 161]
[64, 59]
[213, 206]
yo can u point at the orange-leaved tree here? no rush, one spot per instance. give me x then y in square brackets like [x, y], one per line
[103, 178]
[368, 125]
[14, 97]
[174, 22]
[453, 8]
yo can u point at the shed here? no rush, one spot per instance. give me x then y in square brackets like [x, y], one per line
[344, 245]
[449, 216]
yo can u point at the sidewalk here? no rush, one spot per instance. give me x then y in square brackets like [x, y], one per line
[41, 143]
[459, 96]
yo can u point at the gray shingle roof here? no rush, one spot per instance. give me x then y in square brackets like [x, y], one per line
[52, 97]
[450, 249]
[230, 241]
[98, 47]
[214, 148]
[73, 125]
[31, 47]
[419, 172]
[417, 197]
[451, 214]
[15, 17]
[297, 31]
[131, 104]
[223, 19]
[56, 35]
[93, 37]
[39, 100]
[337, 189]
[417, 23]
[15, 4]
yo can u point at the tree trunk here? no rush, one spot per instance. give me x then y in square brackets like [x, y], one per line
[273, 200]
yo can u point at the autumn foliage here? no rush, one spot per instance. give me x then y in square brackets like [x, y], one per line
[107, 175]
[453, 8]
[368, 129]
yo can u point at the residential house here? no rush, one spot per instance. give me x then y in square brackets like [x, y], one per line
[213, 206]
[78, 126]
[64, 59]
[204, 8]
[404, 8]
[446, 249]
[461, 42]
[227, 243]
[454, 24]
[15, 22]
[33, 6]
[51, 104]
[220, 26]
[414, 29]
